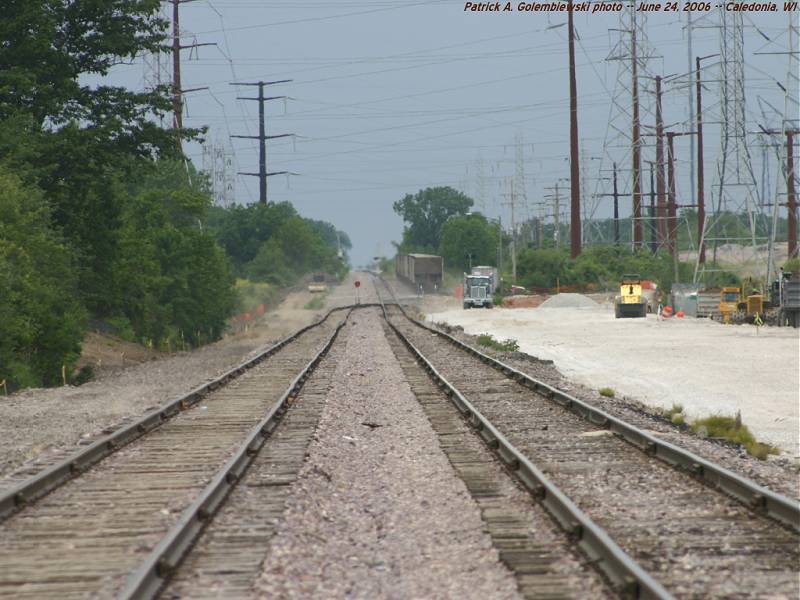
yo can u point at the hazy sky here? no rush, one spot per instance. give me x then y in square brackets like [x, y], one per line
[392, 96]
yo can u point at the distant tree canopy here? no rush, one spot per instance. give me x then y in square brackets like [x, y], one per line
[469, 240]
[425, 213]
[272, 243]
[603, 266]
[103, 216]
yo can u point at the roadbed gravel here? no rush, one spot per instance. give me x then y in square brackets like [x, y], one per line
[377, 511]
[778, 473]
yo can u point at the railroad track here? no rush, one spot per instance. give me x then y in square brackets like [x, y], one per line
[657, 520]
[123, 526]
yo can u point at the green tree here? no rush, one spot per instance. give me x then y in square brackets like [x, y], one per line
[78, 140]
[469, 238]
[426, 212]
[41, 323]
[171, 279]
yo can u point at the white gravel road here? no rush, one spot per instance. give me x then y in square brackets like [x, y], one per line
[707, 367]
[378, 511]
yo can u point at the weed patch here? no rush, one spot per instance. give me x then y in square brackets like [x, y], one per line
[731, 429]
[607, 392]
[487, 341]
[316, 303]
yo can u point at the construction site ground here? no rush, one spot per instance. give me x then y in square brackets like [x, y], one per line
[707, 367]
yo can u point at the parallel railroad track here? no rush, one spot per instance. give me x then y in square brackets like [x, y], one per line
[123, 526]
[657, 520]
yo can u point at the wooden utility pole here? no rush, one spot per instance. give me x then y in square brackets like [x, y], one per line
[177, 88]
[660, 183]
[671, 207]
[615, 195]
[701, 202]
[653, 226]
[791, 197]
[636, 139]
[574, 159]
[513, 235]
[262, 137]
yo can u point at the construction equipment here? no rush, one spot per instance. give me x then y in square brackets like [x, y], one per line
[318, 284]
[630, 303]
[729, 303]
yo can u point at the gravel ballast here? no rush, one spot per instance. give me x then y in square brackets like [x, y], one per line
[378, 511]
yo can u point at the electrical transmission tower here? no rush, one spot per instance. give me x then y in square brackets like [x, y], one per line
[262, 136]
[624, 140]
[734, 191]
[219, 165]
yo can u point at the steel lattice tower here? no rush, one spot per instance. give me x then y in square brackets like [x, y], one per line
[734, 189]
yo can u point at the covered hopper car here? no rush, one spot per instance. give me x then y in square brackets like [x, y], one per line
[420, 270]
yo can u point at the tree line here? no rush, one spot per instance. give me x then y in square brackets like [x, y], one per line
[441, 221]
[101, 215]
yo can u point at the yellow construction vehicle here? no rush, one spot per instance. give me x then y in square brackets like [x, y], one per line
[630, 303]
[729, 303]
[737, 308]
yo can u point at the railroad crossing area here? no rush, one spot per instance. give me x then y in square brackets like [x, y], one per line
[371, 455]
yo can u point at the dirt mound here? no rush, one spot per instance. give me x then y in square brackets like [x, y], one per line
[569, 301]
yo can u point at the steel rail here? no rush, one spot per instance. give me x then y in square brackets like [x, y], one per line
[155, 571]
[41, 484]
[756, 497]
[630, 579]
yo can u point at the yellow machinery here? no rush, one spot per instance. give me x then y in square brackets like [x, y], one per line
[630, 303]
[729, 302]
[734, 307]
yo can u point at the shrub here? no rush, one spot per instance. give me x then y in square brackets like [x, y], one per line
[316, 303]
[41, 322]
[607, 392]
[731, 429]
[487, 341]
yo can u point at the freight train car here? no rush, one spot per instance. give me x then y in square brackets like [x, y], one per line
[420, 270]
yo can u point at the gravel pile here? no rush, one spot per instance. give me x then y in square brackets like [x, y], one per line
[569, 301]
[377, 511]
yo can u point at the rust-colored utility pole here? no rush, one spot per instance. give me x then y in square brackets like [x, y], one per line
[672, 230]
[616, 208]
[574, 164]
[660, 183]
[701, 205]
[637, 159]
[177, 88]
[791, 198]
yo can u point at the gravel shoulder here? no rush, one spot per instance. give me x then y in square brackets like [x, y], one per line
[707, 367]
[778, 473]
[377, 511]
[38, 426]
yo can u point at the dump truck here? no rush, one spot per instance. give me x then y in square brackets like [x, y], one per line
[477, 291]
[631, 302]
[490, 272]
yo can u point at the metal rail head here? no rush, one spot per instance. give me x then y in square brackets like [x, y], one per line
[629, 578]
[41, 484]
[754, 496]
[163, 561]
